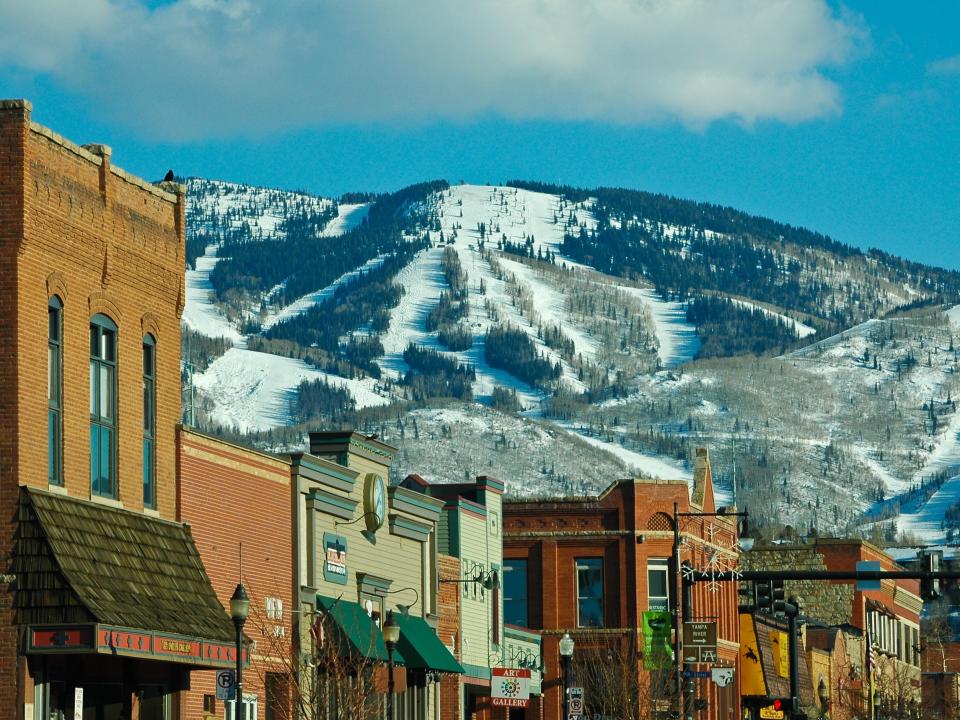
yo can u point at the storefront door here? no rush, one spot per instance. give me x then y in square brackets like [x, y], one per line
[102, 702]
[154, 703]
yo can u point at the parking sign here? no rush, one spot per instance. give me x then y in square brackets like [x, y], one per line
[226, 685]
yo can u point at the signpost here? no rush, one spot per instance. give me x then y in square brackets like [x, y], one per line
[509, 687]
[575, 703]
[226, 684]
[78, 703]
[699, 642]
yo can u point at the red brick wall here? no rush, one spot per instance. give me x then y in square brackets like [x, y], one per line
[231, 495]
[103, 242]
[448, 604]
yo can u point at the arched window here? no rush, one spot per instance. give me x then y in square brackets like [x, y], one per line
[55, 391]
[149, 422]
[103, 406]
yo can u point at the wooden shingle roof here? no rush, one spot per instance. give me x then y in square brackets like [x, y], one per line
[78, 561]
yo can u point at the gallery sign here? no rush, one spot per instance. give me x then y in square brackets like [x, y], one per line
[335, 558]
[510, 687]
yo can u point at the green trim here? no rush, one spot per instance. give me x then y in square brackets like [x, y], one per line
[334, 504]
[476, 671]
[471, 506]
[513, 633]
[410, 529]
[373, 584]
[415, 503]
[453, 531]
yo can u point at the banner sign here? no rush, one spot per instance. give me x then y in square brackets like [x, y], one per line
[509, 687]
[657, 649]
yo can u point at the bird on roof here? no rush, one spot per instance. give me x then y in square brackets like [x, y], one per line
[169, 176]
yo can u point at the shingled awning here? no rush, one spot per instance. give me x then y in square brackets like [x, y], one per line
[94, 578]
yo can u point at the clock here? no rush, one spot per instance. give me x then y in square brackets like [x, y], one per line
[374, 501]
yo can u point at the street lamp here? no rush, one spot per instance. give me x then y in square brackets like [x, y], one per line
[239, 609]
[566, 652]
[391, 635]
[823, 694]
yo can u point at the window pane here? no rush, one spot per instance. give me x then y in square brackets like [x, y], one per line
[95, 458]
[51, 373]
[148, 359]
[94, 341]
[515, 592]
[106, 461]
[107, 349]
[149, 498]
[106, 392]
[93, 388]
[148, 407]
[53, 324]
[53, 445]
[590, 592]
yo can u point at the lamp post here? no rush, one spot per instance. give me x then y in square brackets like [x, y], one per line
[391, 634]
[566, 652]
[239, 609]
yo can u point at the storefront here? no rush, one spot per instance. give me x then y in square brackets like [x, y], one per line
[114, 608]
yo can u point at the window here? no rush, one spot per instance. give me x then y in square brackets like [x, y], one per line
[658, 587]
[589, 592]
[249, 708]
[209, 704]
[149, 423]
[515, 592]
[55, 391]
[103, 406]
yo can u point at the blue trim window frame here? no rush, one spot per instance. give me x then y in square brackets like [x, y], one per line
[55, 391]
[103, 407]
[589, 578]
[149, 422]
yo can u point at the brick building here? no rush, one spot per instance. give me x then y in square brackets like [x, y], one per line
[597, 567]
[889, 616]
[102, 590]
[253, 516]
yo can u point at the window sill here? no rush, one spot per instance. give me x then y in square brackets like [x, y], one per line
[58, 489]
[109, 502]
[151, 512]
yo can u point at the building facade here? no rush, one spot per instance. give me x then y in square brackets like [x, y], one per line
[366, 551]
[599, 568]
[105, 606]
[247, 534]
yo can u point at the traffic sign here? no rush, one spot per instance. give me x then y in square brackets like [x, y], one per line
[700, 642]
[575, 703]
[701, 674]
[226, 685]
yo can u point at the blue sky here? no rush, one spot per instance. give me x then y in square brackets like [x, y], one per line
[839, 117]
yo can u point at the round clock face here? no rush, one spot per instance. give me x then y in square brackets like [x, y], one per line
[375, 502]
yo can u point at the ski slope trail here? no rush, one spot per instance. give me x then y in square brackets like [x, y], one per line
[200, 313]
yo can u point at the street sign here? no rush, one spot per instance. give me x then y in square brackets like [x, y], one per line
[574, 703]
[226, 685]
[873, 566]
[700, 674]
[78, 703]
[699, 642]
[510, 687]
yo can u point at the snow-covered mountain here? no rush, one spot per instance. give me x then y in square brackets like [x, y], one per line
[490, 329]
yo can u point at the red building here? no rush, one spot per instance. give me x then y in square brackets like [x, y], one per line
[592, 567]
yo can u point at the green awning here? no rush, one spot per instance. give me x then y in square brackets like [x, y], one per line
[357, 630]
[422, 648]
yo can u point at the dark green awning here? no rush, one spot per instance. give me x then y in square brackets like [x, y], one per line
[422, 648]
[358, 631]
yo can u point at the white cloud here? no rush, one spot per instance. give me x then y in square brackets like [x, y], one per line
[945, 66]
[195, 69]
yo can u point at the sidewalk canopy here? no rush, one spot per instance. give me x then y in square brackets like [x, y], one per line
[97, 579]
[422, 648]
[357, 631]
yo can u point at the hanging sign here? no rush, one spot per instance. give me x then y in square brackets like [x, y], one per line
[699, 642]
[335, 558]
[78, 703]
[510, 687]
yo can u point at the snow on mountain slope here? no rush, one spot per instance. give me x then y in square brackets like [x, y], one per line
[304, 303]
[200, 313]
[348, 218]
[799, 328]
[678, 338]
[254, 390]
